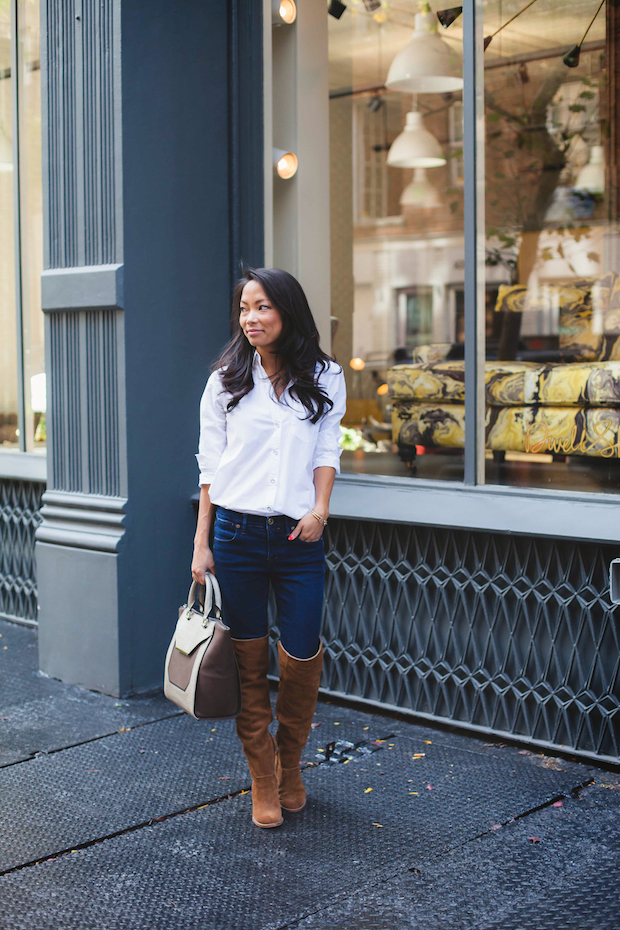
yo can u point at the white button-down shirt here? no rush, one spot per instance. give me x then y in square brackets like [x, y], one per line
[260, 457]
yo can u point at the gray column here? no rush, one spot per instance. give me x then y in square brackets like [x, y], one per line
[136, 291]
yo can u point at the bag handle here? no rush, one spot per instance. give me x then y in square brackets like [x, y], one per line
[212, 593]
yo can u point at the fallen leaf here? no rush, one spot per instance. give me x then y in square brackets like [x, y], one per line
[366, 728]
[124, 729]
[414, 792]
[429, 787]
[495, 826]
[315, 725]
[534, 839]
[558, 804]
[336, 723]
[377, 824]
[428, 742]
[418, 755]
[224, 777]
[366, 790]
[141, 750]
[213, 729]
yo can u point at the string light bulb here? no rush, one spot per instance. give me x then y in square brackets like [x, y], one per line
[357, 364]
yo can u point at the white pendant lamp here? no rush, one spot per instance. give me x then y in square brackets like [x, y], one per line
[420, 193]
[591, 178]
[427, 64]
[6, 152]
[415, 147]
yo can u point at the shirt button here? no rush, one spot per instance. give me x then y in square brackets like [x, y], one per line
[273, 480]
[269, 509]
[275, 451]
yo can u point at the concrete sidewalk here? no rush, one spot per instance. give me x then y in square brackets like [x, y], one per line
[125, 815]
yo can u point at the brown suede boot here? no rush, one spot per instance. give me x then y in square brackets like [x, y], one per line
[297, 694]
[253, 729]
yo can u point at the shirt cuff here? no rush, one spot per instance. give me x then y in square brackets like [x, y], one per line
[327, 458]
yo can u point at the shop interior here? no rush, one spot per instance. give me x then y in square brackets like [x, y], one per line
[552, 247]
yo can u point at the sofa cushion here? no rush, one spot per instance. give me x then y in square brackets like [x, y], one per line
[509, 384]
[429, 425]
[430, 381]
[563, 430]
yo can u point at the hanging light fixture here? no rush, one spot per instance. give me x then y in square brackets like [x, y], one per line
[571, 59]
[488, 39]
[283, 11]
[427, 64]
[6, 152]
[415, 147]
[420, 193]
[336, 9]
[447, 17]
[285, 163]
[591, 178]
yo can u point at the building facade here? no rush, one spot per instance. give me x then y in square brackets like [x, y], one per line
[448, 196]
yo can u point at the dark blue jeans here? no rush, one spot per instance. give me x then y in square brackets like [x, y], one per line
[250, 552]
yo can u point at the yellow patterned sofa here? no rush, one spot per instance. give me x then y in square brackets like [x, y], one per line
[570, 407]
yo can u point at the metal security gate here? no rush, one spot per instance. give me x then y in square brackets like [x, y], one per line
[20, 503]
[509, 634]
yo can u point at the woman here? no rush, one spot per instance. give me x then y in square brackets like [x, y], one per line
[269, 451]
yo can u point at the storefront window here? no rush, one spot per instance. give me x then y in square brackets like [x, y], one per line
[397, 240]
[8, 334]
[553, 248]
[17, 430]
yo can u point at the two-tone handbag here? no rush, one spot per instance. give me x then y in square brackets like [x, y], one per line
[201, 675]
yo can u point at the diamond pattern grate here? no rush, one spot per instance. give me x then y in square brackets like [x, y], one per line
[512, 633]
[20, 503]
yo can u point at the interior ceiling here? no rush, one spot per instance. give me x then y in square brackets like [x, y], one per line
[361, 49]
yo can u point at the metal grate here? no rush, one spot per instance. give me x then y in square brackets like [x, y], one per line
[514, 634]
[20, 503]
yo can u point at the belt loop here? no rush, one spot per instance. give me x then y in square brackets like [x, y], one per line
[245, 523]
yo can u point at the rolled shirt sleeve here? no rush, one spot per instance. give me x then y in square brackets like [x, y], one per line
[327, 450]
[212, 429]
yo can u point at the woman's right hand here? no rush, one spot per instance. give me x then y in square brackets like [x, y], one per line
[201, 563]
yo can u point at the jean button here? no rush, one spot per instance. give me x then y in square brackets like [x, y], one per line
[270, 520]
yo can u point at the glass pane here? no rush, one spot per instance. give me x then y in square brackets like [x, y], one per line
[397, 240]
[8, 338]
[31, 222]
[552, 244]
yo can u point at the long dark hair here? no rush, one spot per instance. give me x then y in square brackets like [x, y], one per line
[298, 350]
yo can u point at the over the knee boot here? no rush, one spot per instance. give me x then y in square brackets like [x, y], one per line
[253, 729]
[297, 694]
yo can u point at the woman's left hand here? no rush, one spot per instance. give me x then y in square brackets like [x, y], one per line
[308, 529]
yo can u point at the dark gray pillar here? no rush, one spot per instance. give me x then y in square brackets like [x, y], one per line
[140, 121]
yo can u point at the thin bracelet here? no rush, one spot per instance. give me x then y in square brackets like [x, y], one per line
[318, 517]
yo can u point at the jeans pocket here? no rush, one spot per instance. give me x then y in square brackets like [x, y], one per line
[225, 530]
